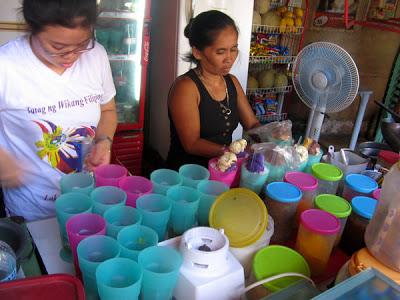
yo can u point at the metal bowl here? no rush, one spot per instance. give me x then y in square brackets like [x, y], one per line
[371, 149]
[391, 134]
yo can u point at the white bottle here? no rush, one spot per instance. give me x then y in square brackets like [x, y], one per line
[8, 269]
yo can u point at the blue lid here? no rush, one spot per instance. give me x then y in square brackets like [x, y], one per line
[361, 183]
[283, 192]
[364, 206]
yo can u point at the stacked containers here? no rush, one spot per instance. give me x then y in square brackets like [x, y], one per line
[358, 185]
[316, 236]
[338, 207]
[282, 199]
[328, 177]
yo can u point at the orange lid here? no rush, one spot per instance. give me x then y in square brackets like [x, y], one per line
[362, 260]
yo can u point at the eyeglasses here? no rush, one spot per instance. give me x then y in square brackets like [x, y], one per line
[82, 49]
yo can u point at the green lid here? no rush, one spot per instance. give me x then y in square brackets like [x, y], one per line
[333, 204]
[327, 172]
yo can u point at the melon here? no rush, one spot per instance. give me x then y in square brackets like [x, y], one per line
[262, 6]
[256, 17]
[281, 80]
[270, 19]
[252, 83]
[266, 79]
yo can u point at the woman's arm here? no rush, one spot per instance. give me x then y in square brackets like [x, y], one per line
[183, 103]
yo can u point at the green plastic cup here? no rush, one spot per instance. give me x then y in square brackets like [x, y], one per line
[209, 190]
[134, 239]
[119, 278]
[119, 217]
[77, 182]
[105, 197]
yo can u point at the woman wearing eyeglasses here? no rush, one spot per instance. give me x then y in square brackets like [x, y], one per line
[56, 90]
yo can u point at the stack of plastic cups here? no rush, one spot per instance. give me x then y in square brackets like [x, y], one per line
[106, 197]
[328, 176]
[226, 177]
[338, 207]
[358, 185]
[163, 179]
[317, 234]
[209, 190]
[109, 175]
[77, 182]
[192, 174]
[185, 203]
[134, 187]
[91, 252]
[119, 217]
[253, 180]
[156, 211]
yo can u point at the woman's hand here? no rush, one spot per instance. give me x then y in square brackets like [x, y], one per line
[99, 155]
[10, 171]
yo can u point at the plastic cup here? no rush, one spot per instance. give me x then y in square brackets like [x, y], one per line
[185, 203]
[317, 234]
[134, 187]
[192, 174]
[80, 227]
[160, 272]
[312, 160]
[276, 172]
[68, 205]
[156, 210]
[376, 194]
[77, 182]
[227, 177]
[136, 238]
[253, 180]
[240, 162]
[119, 278]
[106, 197]
[209, 190]
[91, 252]
[119, 217]
[358, 185]
[109, 175]
[328, 176]
[163, 179]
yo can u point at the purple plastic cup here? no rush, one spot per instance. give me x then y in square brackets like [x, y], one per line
[109, 174]
[80, 227]
[135, 186]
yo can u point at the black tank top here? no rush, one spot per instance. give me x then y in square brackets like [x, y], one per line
[215, 126]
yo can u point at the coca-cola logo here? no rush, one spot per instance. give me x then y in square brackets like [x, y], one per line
[146, 49]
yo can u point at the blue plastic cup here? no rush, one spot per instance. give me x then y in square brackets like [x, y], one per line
[160, 272]
[105, 197]
[209, 190]
[134, 239]
[91, 252]
[163, 179]
[119, 278]
[192, 174]
[119, 217]
[312, 160]
[252, 180]
[185, 203]
[77, 182]
[156, 210]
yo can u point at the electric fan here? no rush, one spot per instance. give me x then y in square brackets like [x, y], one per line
[326, 79]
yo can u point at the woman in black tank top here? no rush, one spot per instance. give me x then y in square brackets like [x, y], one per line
[206, 104]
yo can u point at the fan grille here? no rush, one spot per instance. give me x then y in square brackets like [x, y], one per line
[339, 69]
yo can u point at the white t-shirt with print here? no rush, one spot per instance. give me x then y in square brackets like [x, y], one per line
[43, 116]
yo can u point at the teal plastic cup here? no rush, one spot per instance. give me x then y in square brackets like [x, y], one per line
[119, 278]
[68, 205]
[134, 239]
[156, 211]
[91, 252]
[253, 180]
[185, 203]
[77, 182]
[105, 197]
[163, 179]
[312, 160]
[192, 174]
[276, 172]
[119, 217]
[209, 190]
[160, 272]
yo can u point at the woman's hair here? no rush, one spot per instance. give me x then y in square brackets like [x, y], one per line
[65, 13]
[204, 28]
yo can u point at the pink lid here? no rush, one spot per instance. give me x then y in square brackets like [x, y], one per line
[320, 221]
[389, 156]
[304, 181]
[376, 194]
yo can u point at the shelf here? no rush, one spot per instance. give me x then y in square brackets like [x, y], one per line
[275, 90]
[118, 15]
[272, 59]
[277, 30]
[123, 57]
[272, 118]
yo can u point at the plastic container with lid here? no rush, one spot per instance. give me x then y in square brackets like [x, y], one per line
[282, 199]
[382, 236]
[338, 207]
[353, 235]
[358, 185]
[317, 233]
[308, 185]
[328, 177]
[387, 158]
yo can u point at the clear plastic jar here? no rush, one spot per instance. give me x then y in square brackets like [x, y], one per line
[358, 185]
[8, 264]
[328, 176]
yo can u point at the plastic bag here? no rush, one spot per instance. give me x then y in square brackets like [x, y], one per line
[277, 132]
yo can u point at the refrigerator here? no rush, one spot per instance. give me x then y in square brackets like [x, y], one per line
[123, 28]
[169, 46]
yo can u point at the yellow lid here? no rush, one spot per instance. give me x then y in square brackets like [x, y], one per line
[242, 214]
[362, 259]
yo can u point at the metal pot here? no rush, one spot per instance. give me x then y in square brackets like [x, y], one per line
[371, 149]
[391, 134]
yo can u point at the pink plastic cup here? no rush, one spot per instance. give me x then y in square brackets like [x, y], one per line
[376, 194]
[224, 177]
[109, 175]
[135, 186]
[80, 227]
[240, 160]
